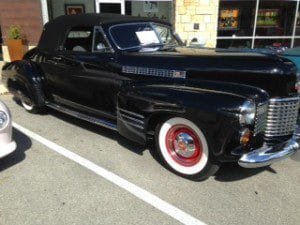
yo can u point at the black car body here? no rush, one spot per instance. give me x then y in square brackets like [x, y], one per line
[132, 75]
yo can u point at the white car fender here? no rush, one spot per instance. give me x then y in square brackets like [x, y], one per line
[7, 145]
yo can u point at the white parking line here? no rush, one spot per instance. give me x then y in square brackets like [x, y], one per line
[140, 193]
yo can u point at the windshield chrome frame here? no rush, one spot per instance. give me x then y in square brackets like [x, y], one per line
[137, 23]
[105, 38]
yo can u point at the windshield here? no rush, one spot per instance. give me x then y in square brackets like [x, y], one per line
[138, 36]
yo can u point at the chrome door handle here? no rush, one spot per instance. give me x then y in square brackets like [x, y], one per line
[56, 58]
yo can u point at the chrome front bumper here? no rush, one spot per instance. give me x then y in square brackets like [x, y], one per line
[267, 155]
[6, 149]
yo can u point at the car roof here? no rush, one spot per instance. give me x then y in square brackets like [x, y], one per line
[55, 30]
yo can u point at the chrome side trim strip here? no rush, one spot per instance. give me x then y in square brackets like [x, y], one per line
[131, 118]
[131, 124]
[132, 113]
[94, 120]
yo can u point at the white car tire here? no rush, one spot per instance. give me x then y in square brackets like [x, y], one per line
[183, 148]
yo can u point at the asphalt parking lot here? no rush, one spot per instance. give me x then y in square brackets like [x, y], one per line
[41, 186]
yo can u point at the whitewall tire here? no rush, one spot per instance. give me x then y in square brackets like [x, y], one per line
[183, 148]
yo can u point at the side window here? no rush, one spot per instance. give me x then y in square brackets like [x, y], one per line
[100, 43]
[79, 39]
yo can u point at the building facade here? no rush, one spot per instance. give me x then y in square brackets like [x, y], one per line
[210, 23]
[24, 13]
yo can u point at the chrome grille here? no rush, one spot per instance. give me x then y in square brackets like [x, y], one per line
[281, 117]
[261, 117]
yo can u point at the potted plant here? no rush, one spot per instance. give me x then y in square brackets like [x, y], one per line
[15, 43]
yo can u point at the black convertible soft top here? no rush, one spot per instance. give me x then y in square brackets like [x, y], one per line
[55, 30]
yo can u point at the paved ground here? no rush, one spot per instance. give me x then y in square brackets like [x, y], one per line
[39, 186]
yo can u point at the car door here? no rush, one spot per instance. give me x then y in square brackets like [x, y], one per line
[85, 74]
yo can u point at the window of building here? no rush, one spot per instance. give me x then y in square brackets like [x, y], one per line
[155, 9]
[65, 7]
[297, 29]
[236, 18]
[275, 18]
[276, 42]
[258, 23]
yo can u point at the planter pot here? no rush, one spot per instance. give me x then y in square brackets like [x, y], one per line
[15, 49]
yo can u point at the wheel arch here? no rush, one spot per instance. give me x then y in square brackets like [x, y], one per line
[25, 76]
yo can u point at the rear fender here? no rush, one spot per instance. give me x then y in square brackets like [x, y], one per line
[24, 76]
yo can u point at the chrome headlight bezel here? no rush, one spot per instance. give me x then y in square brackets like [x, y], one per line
[4, 117]
[247, 113]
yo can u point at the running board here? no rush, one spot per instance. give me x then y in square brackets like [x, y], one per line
[94, 120]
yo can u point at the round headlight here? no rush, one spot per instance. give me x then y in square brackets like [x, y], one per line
[3, 119]
[247, 113]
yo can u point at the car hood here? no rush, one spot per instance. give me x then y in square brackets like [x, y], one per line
[275, 74]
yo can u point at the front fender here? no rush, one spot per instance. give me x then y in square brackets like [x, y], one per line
[213, 110]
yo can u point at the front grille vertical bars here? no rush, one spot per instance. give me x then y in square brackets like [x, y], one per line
[281, 117]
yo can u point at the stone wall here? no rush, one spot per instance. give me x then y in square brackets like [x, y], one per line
[197, 19]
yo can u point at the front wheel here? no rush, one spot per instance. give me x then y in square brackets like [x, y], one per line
[184, 149]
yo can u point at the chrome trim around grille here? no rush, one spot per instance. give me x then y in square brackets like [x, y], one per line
[281, 117]
[260, 118]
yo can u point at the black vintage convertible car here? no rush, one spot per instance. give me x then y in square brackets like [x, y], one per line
[200, 108]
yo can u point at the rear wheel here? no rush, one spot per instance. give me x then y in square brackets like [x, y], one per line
[28, 103]
[184, 149]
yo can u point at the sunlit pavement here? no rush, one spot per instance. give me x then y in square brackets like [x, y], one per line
[39, 186]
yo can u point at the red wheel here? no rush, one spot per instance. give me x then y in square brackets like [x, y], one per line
[184, 145]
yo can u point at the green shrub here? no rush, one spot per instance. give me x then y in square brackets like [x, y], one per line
[14, 32]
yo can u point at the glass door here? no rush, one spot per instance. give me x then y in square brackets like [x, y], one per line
[110, 6]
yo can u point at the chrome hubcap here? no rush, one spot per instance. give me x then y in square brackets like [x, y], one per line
[184, 145]
[26, 102]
